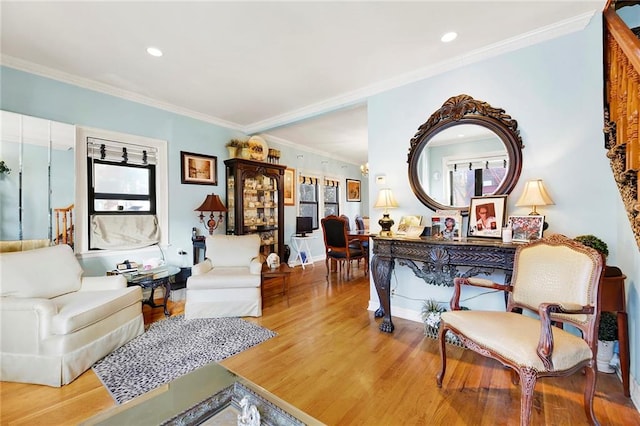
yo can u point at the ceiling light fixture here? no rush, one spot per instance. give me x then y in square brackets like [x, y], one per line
[450, 36]
[154, 51]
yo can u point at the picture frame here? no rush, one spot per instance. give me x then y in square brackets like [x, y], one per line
[289, 187]
[447, 227]
[408, 221]
[487, 216]
[198, 169]
[526, 228]
[353, 190]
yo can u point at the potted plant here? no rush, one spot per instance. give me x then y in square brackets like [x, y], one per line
[232, 147]
[4, 169]
[431, 311]
[593, 242]
[607, 335]
[245, 149]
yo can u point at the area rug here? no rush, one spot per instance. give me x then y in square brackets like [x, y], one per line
[172, 348]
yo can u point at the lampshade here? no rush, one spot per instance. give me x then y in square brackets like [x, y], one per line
[534, 194]
[211, 204]
[386, 200]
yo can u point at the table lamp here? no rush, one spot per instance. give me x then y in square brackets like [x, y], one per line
[387, 201]
[211, 204]
[535, 194]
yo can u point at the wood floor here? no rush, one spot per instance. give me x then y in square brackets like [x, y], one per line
[330, 360]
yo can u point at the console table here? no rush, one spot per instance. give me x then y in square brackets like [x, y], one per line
[441, 259]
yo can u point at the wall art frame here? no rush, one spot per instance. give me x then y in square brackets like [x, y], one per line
[353, 190]
[198, 169]
[289, 185]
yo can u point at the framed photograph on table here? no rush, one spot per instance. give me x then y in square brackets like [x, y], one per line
[353, 190]
[526, 228]
[408, 221]
[447, 227]
[198, 169]
[486, 216]
[289, 187]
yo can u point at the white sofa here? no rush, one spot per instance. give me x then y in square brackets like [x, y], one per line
[227, 283]
[55, 324]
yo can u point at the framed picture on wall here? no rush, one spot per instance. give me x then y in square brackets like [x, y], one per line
[198, 169]
[486, 216]
[526, 228]
[353, 190]
[290, 187]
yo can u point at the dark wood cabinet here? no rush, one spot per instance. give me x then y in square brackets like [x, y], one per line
[255, 202]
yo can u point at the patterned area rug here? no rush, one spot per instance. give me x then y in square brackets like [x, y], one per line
[172, 348]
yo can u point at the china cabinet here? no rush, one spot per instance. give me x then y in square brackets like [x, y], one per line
[255, 202]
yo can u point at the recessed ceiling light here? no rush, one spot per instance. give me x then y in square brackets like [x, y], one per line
[449, 37]
[154, 51]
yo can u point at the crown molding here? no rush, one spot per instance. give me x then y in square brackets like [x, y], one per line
[355, 97]
[32, 68]
[348, 99]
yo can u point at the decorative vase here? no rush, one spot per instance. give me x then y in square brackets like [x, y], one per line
[287, 253]
[245, 153]
[605, 354]
[232, 151]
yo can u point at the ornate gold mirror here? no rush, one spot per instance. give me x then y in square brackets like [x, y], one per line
[467, 148]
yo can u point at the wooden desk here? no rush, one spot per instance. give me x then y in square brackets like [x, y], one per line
[360, 235]
[612, 300]
[441, 258]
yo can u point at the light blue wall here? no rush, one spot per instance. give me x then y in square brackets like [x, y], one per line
[554, 91]
[28, 94]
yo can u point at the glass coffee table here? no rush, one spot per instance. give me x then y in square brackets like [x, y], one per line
[210, 395]
[154, 278]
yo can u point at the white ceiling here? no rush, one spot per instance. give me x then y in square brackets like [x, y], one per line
[268, 66]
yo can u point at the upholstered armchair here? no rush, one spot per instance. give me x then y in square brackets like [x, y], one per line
[227, 282]
[56, 323]
[557, 279]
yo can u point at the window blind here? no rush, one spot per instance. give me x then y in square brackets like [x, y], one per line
[120, 152]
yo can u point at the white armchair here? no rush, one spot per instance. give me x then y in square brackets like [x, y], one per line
[227, 283]
[55, 324]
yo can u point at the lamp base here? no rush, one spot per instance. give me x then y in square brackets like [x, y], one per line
[386, 223]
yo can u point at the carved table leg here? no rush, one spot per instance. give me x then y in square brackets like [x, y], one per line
[167, 291]
[381, 269]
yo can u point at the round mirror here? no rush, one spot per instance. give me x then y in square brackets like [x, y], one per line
[466, 149]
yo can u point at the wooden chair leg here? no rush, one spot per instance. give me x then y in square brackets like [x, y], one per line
[443, 356]
[589, 392]
[528, 379]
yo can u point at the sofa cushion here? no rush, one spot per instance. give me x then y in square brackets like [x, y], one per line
[84, 308]
[46, 272]
[224, 278]
[232, 250]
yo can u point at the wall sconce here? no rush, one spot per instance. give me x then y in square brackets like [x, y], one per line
[211, 204]
[386, 201]
[364, 169]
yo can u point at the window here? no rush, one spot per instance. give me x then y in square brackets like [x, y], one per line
[120, 177]
[308, 190]
[331, 198]
[121, 188]
[474, 177]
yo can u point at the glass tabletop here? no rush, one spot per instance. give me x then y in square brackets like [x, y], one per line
[163, 271]
[207, 395]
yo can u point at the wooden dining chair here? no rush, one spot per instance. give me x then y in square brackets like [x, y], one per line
[557, 279]
[338, 248]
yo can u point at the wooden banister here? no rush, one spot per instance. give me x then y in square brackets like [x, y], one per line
[64, 233]
[622, 103]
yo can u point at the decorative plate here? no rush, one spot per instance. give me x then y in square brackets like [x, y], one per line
[259, 148]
